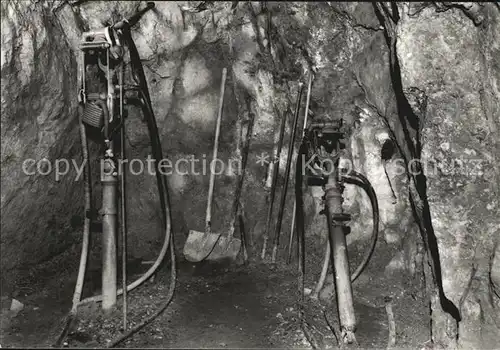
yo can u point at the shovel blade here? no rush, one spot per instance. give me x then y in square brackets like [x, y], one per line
[226, 247]
[199, 245]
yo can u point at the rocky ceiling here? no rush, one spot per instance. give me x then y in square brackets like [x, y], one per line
[426, 75]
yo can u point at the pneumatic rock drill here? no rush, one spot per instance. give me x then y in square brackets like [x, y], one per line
[110, 78]
[322, 145]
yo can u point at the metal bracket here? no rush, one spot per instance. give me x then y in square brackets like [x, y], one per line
[341, 217]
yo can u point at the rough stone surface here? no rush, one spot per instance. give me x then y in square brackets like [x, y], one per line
[449, 52]
[460, 147]
[38, 122]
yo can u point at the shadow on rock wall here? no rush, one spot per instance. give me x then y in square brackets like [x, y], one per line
[371, 70]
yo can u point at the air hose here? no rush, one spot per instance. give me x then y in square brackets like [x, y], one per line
[88, 207]
[140, 79]
[88, 204]
[86, 230]
[358, 179]
[164, 199]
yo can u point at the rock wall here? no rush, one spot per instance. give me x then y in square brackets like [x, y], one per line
[450, 57]
[440, 115]
[38, 122]
[424, 76]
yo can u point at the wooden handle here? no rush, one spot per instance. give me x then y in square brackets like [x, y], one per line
[216, 147]
[308, 100]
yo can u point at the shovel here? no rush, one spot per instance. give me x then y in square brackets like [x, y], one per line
[228, 247]
[200, 244]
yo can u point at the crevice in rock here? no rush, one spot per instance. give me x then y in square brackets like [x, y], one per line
[472, 10]
[410, 124]
[268, 48]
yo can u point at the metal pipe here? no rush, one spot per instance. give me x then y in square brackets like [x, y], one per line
[275, 172]
[109, 220]
[338, 244]
[306, 115]
[326, 124]
[111, 91]
[123, 202]
[277, 231]
[292, 232]
[109, 229]
[299, 171]
[109, 208]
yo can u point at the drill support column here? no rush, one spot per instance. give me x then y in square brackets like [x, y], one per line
[336, 219]
[109, 230]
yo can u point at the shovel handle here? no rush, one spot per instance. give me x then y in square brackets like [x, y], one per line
[208, 217]
[308, 100]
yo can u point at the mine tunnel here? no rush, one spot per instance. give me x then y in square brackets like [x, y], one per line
[243, 174]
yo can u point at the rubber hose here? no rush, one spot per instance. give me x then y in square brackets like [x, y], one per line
[86, 231]
[324, 271]
[86, 222]
[169, 298]
[163, 193]
[360, 180]
[140, 80]
[162, 186]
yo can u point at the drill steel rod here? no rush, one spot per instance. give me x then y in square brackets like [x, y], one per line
[277, 231]
[275, 166]
[123, 203]
[304, 126]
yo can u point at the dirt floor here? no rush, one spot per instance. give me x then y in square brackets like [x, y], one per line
[233, 305]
